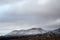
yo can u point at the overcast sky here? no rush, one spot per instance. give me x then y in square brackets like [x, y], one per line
[25, 14]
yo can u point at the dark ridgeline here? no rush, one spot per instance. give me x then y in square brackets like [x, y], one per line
[51, 35]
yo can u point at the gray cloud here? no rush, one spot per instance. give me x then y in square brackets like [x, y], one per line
[19, 14]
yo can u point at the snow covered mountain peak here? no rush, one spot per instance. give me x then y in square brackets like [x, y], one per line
[32, 31]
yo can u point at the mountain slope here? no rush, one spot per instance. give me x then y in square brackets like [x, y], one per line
[53, 33]
[31, 34]
[32, 31]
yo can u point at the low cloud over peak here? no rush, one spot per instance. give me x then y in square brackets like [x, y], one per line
[19, 14]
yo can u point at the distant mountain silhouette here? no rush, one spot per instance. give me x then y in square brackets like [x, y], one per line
[32, 31]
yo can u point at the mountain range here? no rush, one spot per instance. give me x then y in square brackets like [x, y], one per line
[32, 34]
[34, 31]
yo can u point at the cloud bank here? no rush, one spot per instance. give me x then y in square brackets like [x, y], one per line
[24, 14]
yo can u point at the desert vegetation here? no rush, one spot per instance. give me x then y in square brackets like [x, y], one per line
[31, 38]
[37, 38]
